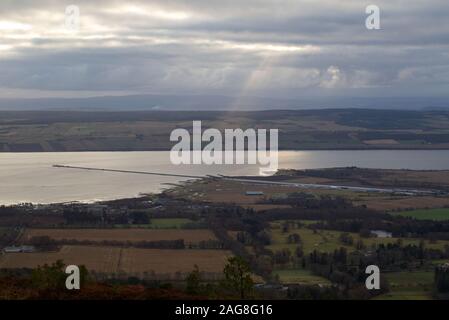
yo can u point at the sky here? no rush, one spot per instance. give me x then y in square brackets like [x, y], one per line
[280, 49]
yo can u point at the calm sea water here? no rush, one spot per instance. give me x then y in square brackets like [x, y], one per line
[30, 177]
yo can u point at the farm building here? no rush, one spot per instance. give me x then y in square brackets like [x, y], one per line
[18, 249]
[254, 193]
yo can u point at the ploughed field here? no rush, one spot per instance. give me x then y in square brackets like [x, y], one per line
[126, 259]
[132, 261]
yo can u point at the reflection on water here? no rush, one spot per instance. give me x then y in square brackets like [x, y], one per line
[30, 177]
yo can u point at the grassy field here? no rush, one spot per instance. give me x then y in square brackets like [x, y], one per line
[175, 223]
[299, 276]
[328, 240]
[388, 203]
[130, 260]
[132, 235]
[325, 241]
[427, 214]
[409, 286]
[438, 262]
[166, 223]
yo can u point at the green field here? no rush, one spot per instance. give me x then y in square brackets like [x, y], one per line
[328, 240]
[166, 223]
[325, 241]
[438, 262]
[409, 285]
[299, 276]
[427, 214]
[176, 223]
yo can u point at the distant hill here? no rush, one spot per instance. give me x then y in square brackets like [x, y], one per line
[214, 102]
[323, 129]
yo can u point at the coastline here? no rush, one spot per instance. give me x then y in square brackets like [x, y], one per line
[34, 181]
[395, 148]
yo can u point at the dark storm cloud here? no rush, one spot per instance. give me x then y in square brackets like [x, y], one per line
[228, 47]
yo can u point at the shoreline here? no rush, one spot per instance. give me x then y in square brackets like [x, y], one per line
[284, 150]
[141, 196]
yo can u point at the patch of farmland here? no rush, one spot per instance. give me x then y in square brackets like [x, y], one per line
[132, 235]
[383, 203]
[300, 276]
[129, 260]
[409, 286]
[329, 240]
[102, 259]
[427, 214]
[171, 261]
[171, 223]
